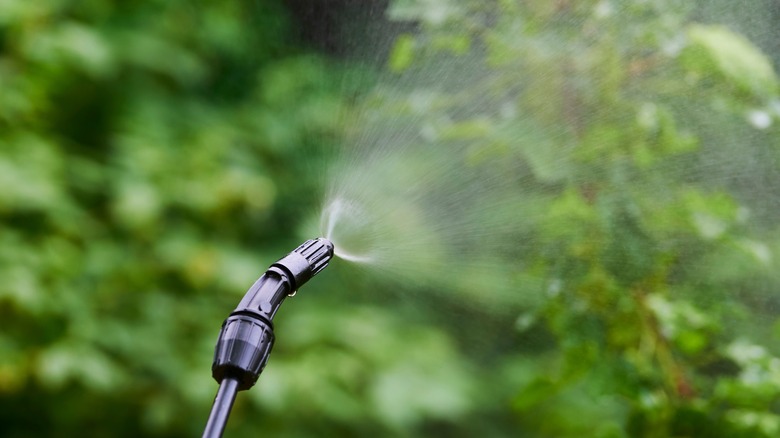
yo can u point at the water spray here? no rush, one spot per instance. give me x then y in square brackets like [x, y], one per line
[247, 335]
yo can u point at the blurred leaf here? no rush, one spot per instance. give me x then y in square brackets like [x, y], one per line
[734, 57]
[403, 54]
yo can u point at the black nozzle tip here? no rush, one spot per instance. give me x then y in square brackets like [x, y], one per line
[317, 252]
[306, 261]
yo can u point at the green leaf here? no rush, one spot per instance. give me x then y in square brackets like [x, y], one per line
[732, 55]
[403, 53]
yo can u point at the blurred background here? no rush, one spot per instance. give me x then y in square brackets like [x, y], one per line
[156, 157]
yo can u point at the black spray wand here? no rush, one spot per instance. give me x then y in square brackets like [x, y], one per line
[247, 335]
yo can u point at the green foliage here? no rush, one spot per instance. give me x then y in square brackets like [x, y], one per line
[656, 267]
[148, 158]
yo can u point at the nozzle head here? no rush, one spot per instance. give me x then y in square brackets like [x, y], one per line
[307, 260]
[317, 252]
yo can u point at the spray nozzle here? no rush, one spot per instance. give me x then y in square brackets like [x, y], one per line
[306, 261]
[247, 335]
